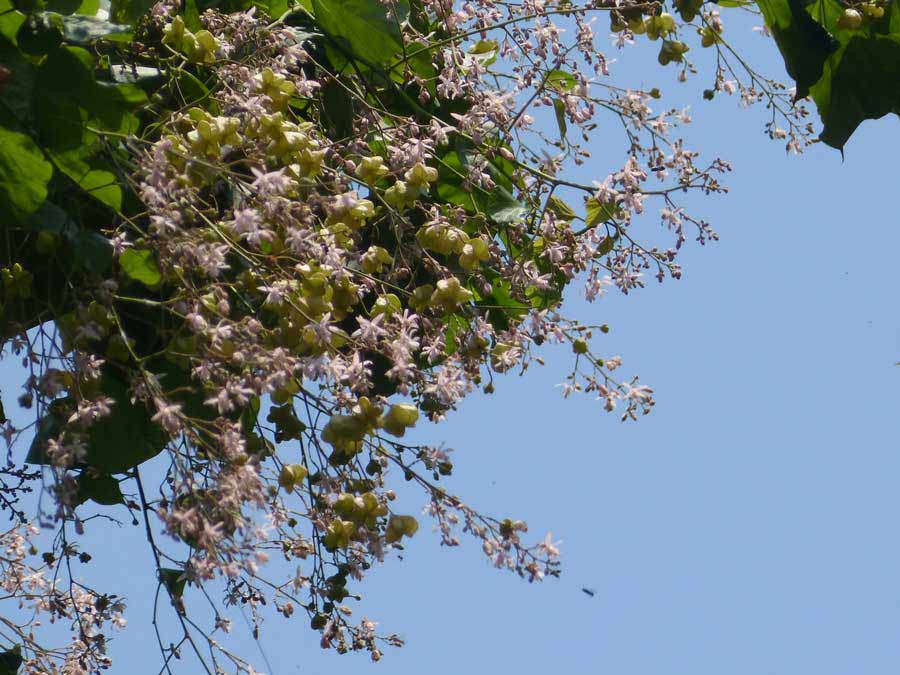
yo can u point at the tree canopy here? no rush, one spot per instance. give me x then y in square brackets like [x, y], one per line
[249, 246]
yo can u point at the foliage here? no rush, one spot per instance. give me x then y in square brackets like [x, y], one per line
[262, 242]
[846, 55]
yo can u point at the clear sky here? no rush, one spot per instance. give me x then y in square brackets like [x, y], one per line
[748, 526]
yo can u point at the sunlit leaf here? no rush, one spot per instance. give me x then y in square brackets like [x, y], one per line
[24, 174]
[140, 265]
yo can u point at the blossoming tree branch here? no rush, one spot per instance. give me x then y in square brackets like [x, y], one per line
[248, 246]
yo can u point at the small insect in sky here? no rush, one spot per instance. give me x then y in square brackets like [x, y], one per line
[589, 591]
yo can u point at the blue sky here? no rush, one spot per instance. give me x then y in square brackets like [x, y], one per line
[746, 527]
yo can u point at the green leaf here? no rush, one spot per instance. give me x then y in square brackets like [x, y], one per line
[86, 250]
[558, 207]
[10, 21]
[502, 207]
[16, 90]
[192, 16]
[103, 186]
[129, 11]
[61, 125]
[364, 26]
[804, 43]
[127, 436]
[498, 203]
[11, 660]
[69, 104]
[140, 265]
[48, 427]
[455, 325]
[91, 176]
[179, 387]
[559, 108]
[273, 8]
[67, 72]
[485, 51]
[560, 80]
[250, 415]
[484, 47]
[451, 174]
[112, 106]
[84, 7]
[174, 580]
[851, 73]
[51, 218]
[597, 212]
[24, 175]
[116, 443]
[102, 489]
[63, 6]
[89, 8]
[92, 252]
[337, 110]
[608, 243]
[190, 89]
[864, 86]
[40, 33]
[287, 425]
[502, 306]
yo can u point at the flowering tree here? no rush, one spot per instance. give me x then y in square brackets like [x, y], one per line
[248, 246]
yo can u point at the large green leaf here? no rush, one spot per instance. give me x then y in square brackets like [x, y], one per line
[558, 207]
[140, 265]
[599, 212]
[851, 73]
[559, 109]
[273, 8]
[865, 85]
[63, 6]
[10, 660]
[61, 125]
[501, 306]
[804, 43]
[24, 174]
[69, 105]
[560, 80]
[91, 251]
[48, 427]
[16, 91]
[502, 207]
[129, 11]
[498, 202]
[84, 7]
[174, 580]
[10, 21]
[85, 250]
[337, 110]
[191, 16]
[116, 443]
[102, 489]
[40, 33]
[91, 175]
[364, 26]
[66, 77]
[125, 438]
[451, 174]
